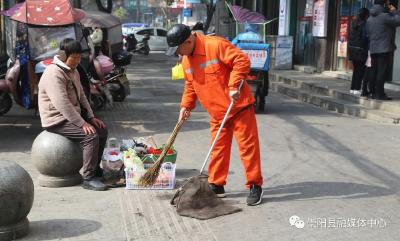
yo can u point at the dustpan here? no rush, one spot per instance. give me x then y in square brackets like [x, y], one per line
[195, 198]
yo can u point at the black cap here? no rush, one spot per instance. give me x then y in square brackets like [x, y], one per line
[176, 36]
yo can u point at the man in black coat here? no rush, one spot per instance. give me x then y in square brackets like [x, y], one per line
[381, 26]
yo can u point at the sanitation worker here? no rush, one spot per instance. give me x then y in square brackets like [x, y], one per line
[213, 70]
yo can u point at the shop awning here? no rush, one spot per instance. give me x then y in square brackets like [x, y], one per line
[100, 19]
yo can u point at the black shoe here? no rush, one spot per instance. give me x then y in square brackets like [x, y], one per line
[98, 172]
[94, 184]
[385, 97]
[255, 195]
[219, 190]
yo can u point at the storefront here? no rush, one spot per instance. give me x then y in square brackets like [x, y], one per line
[314, 38]
[304, 40]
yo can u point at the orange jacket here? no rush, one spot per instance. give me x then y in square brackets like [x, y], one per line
[215, 67]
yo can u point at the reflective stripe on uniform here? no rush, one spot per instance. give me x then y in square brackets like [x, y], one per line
[210, 62]
[189, 71]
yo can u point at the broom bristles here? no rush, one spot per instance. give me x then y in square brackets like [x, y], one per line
[150, 177]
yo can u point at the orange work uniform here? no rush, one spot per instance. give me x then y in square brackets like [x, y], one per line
[214, 68]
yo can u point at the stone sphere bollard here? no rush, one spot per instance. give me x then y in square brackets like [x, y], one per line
[16, 199]
[58, 159]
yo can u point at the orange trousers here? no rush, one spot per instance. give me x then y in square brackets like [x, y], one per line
[243, 126]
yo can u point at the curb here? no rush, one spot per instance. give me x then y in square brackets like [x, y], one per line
[336, 100]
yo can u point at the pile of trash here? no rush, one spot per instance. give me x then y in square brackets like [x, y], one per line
[126, 161]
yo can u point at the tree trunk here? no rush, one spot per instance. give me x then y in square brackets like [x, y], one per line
[210, 13]
[107, 9]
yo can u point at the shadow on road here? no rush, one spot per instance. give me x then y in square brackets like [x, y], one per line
[61, 228]
[318, 190]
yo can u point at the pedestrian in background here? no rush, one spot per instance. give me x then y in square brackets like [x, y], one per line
[381, 28]
[214, 69]
[358, 49]
[97, 39]
[198, 28]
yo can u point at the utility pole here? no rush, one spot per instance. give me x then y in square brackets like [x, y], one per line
[138, 11]
[184, 17]
[77, 3]
[2, 29]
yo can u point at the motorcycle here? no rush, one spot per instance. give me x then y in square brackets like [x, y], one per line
[111, 72]
[30, 41]
[141, 47]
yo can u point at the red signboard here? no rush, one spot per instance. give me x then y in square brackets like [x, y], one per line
[180, 5]
[343, 36]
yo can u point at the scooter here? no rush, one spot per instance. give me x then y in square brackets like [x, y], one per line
[142, 46]
[112, 74]
[8, 87]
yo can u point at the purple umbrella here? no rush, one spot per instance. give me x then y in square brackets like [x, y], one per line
[12, 10]
[243, 15]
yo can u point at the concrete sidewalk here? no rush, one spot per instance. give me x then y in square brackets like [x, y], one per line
[328, 91]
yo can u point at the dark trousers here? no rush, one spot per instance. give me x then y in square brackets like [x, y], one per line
[97, 49]
[358, 74]
[380, 68]
[92, 145]
[367, 87]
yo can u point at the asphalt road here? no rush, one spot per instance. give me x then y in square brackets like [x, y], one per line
[339, 175]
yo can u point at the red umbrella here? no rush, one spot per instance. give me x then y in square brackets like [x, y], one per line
[48, 12]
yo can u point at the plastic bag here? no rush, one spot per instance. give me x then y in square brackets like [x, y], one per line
[177, 72]
[131, 160]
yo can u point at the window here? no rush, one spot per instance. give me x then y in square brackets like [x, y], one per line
[146, 31]
[161, 32]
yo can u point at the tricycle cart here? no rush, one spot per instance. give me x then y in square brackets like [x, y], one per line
[258, 54]
[250, 38]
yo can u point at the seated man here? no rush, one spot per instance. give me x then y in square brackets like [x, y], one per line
[62, 103]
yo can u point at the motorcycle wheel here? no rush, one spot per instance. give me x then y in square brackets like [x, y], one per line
[5, 103]
[119, 95]
[146, 50]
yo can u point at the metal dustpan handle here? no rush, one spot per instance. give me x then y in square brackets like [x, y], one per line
[219, 131]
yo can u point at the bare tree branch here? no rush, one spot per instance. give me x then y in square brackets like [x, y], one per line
[107, 9]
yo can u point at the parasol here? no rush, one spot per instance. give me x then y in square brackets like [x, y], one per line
[49, 13]
[243, 15]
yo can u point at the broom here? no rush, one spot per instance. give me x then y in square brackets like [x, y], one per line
[150, 177]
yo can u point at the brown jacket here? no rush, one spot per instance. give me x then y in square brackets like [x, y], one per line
[57, 97]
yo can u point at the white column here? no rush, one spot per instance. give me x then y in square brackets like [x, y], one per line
[184, 18]
[284, 17]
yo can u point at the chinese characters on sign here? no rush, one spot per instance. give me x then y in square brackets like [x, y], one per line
[257, 57]
[343, 36]
[320, 18]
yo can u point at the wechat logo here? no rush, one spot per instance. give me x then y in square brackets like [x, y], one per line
[296, 221]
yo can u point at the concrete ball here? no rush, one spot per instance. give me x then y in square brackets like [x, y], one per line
[16, 199]
[55, 155]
